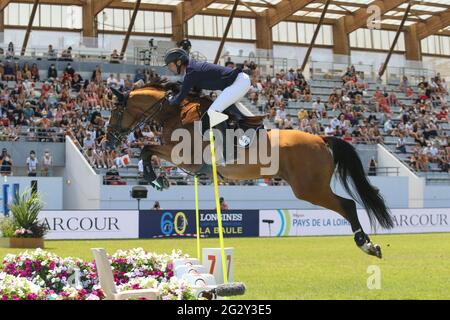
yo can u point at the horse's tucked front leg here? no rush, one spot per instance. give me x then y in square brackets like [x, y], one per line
[159, 183]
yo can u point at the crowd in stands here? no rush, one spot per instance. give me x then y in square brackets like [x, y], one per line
[353, 114]
[46, 109]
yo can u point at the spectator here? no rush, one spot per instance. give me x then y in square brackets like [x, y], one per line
[66, 55]
[139, 76]
[329, 131]
[373, 167]
[184, 44]
[51, 53]
[404, 84]
[35, 72]
[6, 163]
[288, 124]
[46, 164]
[26, 72]
[401, 144]
[115, 57]
[280, 116]
[9, 74]
[10, 52]
[18, 73]
[112, 81]
[128, 83]
[223, 204]
[88, 142]
[156, 206]
[77, 82]
[335, 122]
[388, 126]
[392, 99]
[69, 70]
[52, 72]
[97, 75]
[32, 164]
[319, 107]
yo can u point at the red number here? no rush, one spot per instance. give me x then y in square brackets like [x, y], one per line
[213, 263]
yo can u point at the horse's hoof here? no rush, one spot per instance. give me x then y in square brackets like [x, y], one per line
[372, 249]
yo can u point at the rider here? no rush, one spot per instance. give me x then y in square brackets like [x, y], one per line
[233, 83]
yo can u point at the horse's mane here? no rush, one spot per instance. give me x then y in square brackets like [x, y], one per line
[165, 85]
[161, 84]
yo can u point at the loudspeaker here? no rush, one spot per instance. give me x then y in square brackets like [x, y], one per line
[139, 192]
[34, 186]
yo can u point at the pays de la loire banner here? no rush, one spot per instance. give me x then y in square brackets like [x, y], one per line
[182, 223]
[282, 222]
[91, 224]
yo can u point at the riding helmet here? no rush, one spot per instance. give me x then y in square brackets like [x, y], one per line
[173, 55]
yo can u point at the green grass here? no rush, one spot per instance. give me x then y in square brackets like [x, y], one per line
[413, 266]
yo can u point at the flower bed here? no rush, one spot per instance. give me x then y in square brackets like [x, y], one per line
[42, 275]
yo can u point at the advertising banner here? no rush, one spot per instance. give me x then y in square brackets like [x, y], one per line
[109, 224]
[9, 191]
[182, 223]
[282, 222]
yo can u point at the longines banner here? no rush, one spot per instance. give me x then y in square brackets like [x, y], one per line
[279, 223]
[182, 223]
[123, 224]
[91, 224]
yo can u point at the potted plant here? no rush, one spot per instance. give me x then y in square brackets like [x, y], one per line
[23, 229]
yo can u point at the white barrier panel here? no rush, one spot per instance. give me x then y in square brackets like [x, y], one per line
[212, 260]
[93, 224]
[280, 223]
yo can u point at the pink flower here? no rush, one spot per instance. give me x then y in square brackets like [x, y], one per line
[32, 296]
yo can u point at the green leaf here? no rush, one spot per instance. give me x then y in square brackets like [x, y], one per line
[26, 209]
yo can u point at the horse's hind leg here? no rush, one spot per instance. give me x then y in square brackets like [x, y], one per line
[347, 209]
[323, 196]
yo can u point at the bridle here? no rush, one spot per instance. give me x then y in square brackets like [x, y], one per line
[117, 132]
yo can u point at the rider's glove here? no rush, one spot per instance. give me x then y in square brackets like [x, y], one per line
[169, 94]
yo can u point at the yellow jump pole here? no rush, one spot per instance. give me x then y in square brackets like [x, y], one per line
[219, 214]
[197, 218]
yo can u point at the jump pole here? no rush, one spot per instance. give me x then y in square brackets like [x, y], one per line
[219, 213]
[197, 218]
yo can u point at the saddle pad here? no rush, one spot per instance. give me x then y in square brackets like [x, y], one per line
[190, 113]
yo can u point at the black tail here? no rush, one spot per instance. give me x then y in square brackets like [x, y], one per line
[348, 166]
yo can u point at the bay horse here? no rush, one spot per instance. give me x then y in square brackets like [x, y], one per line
[306, 162]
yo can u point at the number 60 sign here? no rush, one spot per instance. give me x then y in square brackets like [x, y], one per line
[212, 260]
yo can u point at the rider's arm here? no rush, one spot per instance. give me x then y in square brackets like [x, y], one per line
[188, 84]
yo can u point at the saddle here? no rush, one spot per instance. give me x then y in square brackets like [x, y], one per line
[244, 128]
[193, 111]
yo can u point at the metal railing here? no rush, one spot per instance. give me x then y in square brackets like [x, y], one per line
[40, 135]
[393, 75]
[266, 65]
[384, 171]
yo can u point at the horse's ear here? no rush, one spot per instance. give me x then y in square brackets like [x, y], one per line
[120, 96]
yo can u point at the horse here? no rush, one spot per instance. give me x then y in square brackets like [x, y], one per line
[306, 162]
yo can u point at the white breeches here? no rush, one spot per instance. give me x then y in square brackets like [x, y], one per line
[232, 94]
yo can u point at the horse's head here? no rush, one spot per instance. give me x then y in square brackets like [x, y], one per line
[115, 131]
[131, 110]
